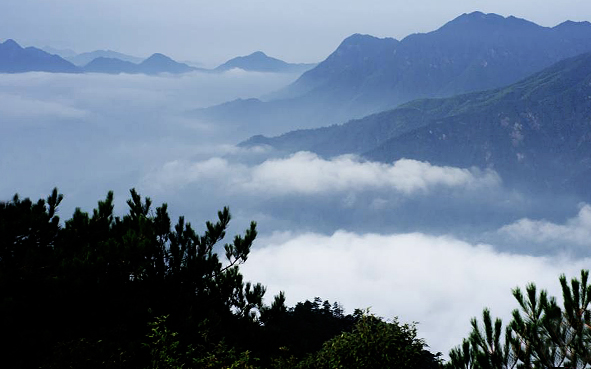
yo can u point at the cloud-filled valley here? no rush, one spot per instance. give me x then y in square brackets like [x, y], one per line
[438, 281]
[408, 238]
[77, 127]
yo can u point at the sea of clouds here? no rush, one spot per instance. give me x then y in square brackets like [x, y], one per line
[409, 239]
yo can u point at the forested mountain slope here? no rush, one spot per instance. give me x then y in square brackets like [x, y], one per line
[537, 130]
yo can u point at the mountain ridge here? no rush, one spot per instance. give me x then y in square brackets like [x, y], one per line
[155, 64]
[113, 62]
[365, 74]
[158, 63]
[111, 66]
[87, 57]
[537, 130]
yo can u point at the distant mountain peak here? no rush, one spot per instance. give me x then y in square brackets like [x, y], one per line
[362, 47]
[159, 63]
[110, 65]
[158, 56]
[478, 15]
[357, 38]
[258, 61]
[361, 43]
[158, 59]
[87, 57]
[258, 53]
[16, 59]
[10, 43]
[569, 24]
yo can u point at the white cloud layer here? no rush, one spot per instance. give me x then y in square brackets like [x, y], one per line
[306, 173]
[441, 282]
[104, 92]
[91, 133]
[575, 231]
[19, 107]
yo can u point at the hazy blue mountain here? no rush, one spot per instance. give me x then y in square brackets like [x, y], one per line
[536, 131]
[111, 66]
[356, 57]
[259, 62]
[85, 58]
[155, 64]
[159, 63]
[268, 117]
[473, 52]
[15, 59]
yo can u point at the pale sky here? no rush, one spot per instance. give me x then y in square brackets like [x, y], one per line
[214, 31]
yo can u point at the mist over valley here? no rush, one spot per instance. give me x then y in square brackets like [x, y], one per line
[423, 178]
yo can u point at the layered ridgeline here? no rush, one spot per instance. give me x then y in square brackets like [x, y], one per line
[16, 59]
[85, 58]
[260, 62]
[535, 132]
[158, 63]
[366, 74]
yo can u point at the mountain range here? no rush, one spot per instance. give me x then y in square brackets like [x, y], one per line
[15, 59]
[536, 132]
[111, 66]
[366, 74]
[155, 64]
[85, 58]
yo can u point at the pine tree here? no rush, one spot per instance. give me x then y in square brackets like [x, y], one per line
[540, 335]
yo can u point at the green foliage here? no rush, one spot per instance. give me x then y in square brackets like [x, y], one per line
[489, 352]
[374, 343]
[539, 315]
[167, 352]
[540, 334]
[163, 346]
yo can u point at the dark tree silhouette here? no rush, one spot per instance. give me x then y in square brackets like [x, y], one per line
[134, 291]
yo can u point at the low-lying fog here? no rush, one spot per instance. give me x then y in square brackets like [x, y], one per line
[408, 239]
